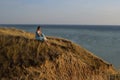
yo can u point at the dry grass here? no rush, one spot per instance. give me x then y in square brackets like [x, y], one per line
[16, 32]
[24, 58]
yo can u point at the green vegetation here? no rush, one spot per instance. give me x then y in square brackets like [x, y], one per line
[24, 58]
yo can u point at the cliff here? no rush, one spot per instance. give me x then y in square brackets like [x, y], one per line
[24, 58]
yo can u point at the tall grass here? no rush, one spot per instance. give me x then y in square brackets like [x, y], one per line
[24, 58]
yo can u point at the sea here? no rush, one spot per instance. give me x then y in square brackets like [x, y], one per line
[102, 40]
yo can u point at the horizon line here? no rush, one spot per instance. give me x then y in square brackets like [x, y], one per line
[69, 24]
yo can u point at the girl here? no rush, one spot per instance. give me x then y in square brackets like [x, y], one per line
[39, 35]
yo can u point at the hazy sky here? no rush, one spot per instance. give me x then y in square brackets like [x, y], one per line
[60, 12]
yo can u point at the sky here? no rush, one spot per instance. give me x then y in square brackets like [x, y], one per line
[83, 12]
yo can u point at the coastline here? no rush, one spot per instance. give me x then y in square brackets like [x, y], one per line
[61, 53]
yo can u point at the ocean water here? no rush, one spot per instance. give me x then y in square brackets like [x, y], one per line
[103, 41]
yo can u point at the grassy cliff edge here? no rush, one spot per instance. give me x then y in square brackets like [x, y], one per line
[24, 58]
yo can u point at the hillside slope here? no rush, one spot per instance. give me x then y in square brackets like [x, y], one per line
[24, 58]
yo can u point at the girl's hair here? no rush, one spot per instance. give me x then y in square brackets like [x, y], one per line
[38, 27]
